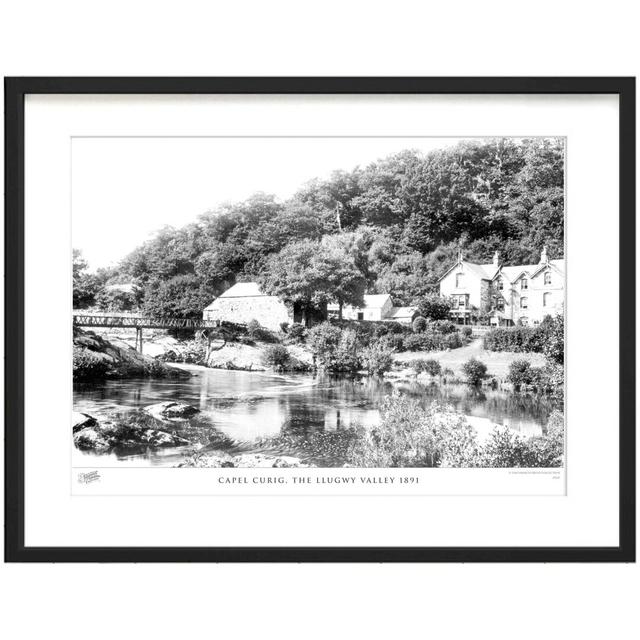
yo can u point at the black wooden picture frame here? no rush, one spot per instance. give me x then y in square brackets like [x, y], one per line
[15, 91]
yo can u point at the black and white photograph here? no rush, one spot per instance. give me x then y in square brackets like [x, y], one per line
[318, 302]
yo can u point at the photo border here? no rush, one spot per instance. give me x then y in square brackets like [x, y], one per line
[15, 91]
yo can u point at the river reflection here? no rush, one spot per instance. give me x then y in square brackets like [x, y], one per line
[238, 408]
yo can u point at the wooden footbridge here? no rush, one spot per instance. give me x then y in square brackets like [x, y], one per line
[212, 331]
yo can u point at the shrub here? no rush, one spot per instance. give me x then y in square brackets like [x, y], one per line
[547, 338]
[346, 358]
[506, 448]
[520, 372]
[466, 331]
[297, 332]
[377, 358]
[323, 341]
[474, 370]
[410, 436]
[453, 340]
[391, 326]
[253, 328]
[430, 366]
[284, 327]
[429, 341]
[553, 345]
[335, 349]
[256, 332]
[516, 339]
[419, 324]
[393, 341]
[276, 355]
[87, 365]
[444, 326]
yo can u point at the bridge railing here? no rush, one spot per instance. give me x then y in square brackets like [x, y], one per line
[138, 322]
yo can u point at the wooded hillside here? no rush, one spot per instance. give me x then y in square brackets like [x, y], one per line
[392, 227]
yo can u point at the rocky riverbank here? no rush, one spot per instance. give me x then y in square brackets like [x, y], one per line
[89, 434]
[95, 357]
[155, 427]
[218, 459]
[233, 355]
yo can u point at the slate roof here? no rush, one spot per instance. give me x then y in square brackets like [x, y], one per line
[489, 271]
[375, 301]
[371, 301]
[241, 290]
[402, 312]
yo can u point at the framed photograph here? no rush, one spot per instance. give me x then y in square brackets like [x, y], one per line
[320, 319]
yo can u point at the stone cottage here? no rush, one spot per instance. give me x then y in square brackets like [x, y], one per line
[244, 302]
[505, 296]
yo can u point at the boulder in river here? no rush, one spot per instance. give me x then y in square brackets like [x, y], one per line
[89, 434]
[82, 421]
[171, 410]
[91, 438]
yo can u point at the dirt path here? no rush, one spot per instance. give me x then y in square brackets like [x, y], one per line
[497, 361]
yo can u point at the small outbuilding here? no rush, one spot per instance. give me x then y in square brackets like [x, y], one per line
[406, 315]
[376, 307]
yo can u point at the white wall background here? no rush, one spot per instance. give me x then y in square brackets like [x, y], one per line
[329, 38]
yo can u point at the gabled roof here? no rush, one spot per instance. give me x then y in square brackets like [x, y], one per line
[484, 271]
[558, 265]
[241, 290]
[376, 300]
[489, 271]
[513, 273]
[402, 312]
[371, 301]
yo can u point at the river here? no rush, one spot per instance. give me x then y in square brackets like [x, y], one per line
[240, 409]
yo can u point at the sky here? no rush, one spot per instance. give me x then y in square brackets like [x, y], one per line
[124, 189]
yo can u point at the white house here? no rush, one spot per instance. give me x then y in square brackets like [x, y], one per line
[521, 294]
[377, 308]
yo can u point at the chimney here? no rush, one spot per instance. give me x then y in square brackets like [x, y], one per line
[496, 260]
[544, 259]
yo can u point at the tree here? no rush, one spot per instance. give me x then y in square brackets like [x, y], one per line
[181, 296]
[85, 285]
[117, 300]
[434, 307]
[310, 274]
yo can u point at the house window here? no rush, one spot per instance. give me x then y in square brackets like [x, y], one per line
[360, 315]
[454, 302]
[500, 304]
[463, 301]
[524, 283]
[499, 284]
[459, 280]
[547, 277]
[546, 299]
[524, 303]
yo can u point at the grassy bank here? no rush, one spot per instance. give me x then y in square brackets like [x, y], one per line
[497, 362]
